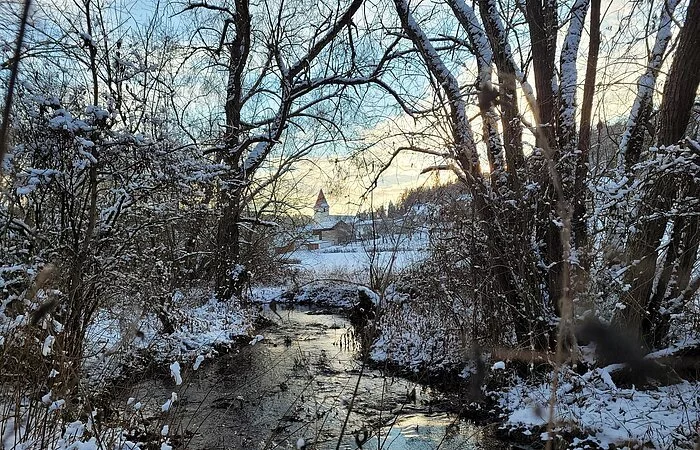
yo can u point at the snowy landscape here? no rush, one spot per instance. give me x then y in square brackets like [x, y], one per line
[365, 224]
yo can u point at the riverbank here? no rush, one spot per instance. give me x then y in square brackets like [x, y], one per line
[120, 342]
[302, 380]
[595, 407]
[305, 373]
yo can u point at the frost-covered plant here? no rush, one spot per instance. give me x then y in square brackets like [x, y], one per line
[422, 324]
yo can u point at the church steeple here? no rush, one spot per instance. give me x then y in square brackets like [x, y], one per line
[321, 206]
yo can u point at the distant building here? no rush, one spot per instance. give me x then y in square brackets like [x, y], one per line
[327, 229]
[365, 229]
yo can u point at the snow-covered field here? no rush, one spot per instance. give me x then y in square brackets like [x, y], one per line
[355, 259]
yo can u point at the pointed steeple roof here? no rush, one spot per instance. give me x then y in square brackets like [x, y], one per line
[321, 202]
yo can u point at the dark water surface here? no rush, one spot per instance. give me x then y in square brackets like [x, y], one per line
[299, 383]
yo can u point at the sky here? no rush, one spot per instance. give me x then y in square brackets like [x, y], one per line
[347, 192]
[346, 181]
[619, 69]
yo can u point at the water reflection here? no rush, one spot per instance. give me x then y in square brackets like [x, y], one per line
[300, 382]
[425, 431]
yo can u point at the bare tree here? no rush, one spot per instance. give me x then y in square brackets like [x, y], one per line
[86, 185]
[296, 88]
[551, 182]
[657, 292]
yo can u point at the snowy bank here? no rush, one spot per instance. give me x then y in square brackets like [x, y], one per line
[120, 343]
[115, 341]
[326, 294]
[592, 407]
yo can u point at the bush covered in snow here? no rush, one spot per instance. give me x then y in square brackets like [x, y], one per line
[421, 326]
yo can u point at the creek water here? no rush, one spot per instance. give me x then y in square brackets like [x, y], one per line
[303, 382]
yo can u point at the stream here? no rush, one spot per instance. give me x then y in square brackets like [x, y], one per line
[300, 382]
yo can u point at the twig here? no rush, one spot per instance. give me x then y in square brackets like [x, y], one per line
[4, 128]
[352, 401]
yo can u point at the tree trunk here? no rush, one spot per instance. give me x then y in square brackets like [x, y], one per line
[487, 94]
[228, 270]
[542, 22]
[228, 266]
[682, 82]
[679, 94]
[510, 115]
[632, 141]
[584, 140]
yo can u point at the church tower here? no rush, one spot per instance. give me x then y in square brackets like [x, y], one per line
[321, 208]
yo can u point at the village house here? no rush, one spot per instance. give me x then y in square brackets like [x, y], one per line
[328, 229]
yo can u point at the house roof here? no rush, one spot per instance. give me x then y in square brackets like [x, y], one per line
[330, 222]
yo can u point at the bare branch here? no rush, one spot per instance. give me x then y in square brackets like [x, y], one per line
[451, 167]
[205, 5]
[5, 127]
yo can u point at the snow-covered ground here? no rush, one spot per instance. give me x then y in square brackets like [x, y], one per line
[77, 436]
[424, 336]
[114, 336]
[391, 253]
[117, 338]
[665, 418]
